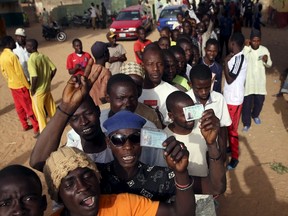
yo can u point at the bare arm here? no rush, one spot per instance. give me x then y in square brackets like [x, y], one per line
[34, 82]
[176, 156]
[74, 92]
[215, 183]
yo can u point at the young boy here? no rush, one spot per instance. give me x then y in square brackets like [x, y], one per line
[258, 58]
[211, 52]
[117, 53]
[201, 93]
[140, 44]
[197, 139]
[235, 67]
[21, 192]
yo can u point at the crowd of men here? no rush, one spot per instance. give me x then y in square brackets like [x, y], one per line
[104, 168]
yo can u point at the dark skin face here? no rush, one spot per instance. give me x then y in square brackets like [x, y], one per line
[164, 44]
[180, 125]
[181, 59]
[211, 52]
[77, 45]
[200, 29]
[21, 40]
[255, 43]
[187, 28]
[112, 41]
[153, 65]
[127, 156]
[141, 35]
[29, 47]
[123, 96]
[170, 70]
[175, 35]
[79, 192]
[85, 121]
[201, 89]
[165, 33]
[179, 18]
[187, 47]
[196, 55]
[21, 196]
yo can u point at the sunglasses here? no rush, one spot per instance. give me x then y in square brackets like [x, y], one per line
[119, 140]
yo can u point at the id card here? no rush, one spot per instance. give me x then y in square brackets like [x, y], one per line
[193, 112]
[152, 137]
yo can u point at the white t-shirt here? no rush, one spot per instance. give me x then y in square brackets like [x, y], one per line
[234, 92]
[218, 104]
[117, 51]
[196, 145]
[157, 96]
[23, 57]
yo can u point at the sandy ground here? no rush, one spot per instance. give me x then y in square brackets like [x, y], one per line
[253, 189]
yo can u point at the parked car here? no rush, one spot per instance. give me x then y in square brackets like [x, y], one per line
[129, 19]
[168, 16]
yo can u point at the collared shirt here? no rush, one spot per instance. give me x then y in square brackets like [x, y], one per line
[216, 102]
[12, 70]
[23, 57]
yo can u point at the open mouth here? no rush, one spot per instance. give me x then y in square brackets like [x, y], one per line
[128, 159]
[89, 201]
[87, 130]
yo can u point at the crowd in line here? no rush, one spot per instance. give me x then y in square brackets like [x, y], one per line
[103, 169]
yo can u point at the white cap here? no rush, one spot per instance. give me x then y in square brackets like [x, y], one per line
[20, 32]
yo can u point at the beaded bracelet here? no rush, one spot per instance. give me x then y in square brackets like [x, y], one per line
[67, 114]
[184, 187]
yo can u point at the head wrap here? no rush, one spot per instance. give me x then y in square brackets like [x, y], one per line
[60, 163]
[132, 68]
[123, 119]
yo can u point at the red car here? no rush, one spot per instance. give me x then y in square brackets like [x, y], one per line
[129, 19]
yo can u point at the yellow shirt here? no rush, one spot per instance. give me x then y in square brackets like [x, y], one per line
[41, 66]
[12, 71]
[124, 205]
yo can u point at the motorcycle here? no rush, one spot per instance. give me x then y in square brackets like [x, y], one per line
[81, 20]
[54, 31]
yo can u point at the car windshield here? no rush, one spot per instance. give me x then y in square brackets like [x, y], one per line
[169, 13]
[128, 15]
